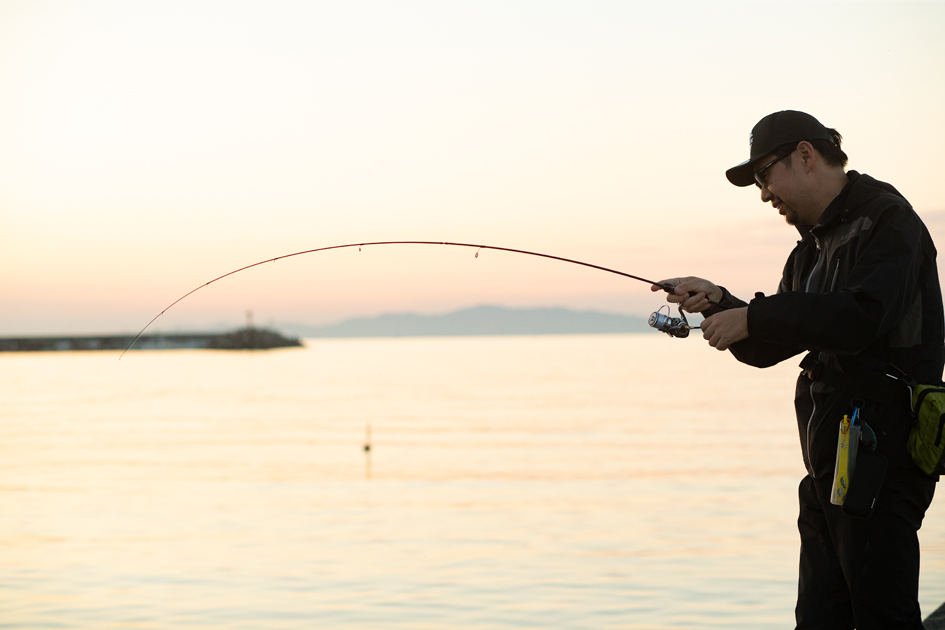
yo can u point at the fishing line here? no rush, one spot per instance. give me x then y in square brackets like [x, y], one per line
[663, 323]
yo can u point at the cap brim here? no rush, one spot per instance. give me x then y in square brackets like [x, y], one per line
[743, 174]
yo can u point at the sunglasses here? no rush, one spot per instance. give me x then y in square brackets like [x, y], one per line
[760, 173]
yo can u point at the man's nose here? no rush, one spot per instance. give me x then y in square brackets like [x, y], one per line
[766, 195]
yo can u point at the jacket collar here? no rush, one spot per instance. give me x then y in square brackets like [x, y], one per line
[860, 189]
[837, 209]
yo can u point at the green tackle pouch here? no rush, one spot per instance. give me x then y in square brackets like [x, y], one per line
[926, 444]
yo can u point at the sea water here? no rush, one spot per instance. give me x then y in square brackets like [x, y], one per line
[607, 481]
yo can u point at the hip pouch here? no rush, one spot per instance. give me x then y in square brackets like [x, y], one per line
[866, 483]
[925, 443]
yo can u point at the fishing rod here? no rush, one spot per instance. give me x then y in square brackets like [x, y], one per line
[673, 326]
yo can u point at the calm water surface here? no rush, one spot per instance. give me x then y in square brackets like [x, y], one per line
[614, 481]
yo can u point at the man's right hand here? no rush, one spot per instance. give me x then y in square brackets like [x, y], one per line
[703, 291]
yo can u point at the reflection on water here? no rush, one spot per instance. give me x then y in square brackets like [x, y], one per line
[367, 452]
[571, 482]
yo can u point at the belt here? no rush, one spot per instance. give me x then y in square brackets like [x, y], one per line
[861, 380]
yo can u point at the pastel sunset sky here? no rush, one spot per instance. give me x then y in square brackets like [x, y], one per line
[148, 147]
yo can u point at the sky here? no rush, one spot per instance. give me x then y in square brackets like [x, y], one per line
[149, 147]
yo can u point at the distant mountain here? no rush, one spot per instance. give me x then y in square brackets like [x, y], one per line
[479, 320]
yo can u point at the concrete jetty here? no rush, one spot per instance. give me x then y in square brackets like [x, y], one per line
[243, 339]
[936, 621]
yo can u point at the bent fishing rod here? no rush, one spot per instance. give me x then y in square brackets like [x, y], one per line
[673, 326]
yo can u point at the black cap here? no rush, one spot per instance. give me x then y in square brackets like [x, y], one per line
[773, 131]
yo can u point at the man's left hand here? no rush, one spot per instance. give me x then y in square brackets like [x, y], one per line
[723, 329]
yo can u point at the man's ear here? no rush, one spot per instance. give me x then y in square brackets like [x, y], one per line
[807, 154]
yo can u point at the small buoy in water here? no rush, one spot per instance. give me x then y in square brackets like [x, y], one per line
[367, 439]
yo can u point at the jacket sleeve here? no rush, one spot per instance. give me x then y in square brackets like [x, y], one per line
[879, 289]
[756, 351]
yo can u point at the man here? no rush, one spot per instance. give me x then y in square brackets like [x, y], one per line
[859, 293]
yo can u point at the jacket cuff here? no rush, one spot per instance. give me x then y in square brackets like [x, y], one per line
[761, 312]
[727, 301]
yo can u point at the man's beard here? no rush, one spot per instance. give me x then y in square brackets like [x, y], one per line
[790, 216]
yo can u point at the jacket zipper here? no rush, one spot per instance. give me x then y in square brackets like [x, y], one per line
[810, 461]
[820, 257]
[836, 274]
[810, 421]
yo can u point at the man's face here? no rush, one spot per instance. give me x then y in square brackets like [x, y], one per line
[779, 187]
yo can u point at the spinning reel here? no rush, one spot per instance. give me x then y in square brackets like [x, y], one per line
[672, 326]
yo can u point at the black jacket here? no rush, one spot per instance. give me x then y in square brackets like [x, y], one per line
[859, 290]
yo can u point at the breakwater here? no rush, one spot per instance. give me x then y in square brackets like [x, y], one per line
[242, 339]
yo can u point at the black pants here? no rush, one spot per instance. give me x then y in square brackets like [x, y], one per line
[861, 572]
